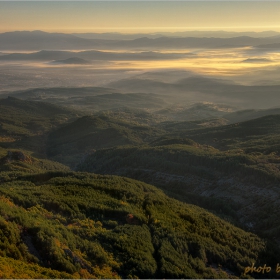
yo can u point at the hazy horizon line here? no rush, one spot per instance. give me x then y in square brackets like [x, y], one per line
[156, 30]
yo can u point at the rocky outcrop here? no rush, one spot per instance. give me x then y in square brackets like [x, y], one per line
[16, 156]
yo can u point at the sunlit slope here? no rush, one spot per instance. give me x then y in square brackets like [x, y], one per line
[106, 227]
[20, 162]
[11, 268]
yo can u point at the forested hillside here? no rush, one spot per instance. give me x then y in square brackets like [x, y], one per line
[245, 161]
[67, 225]
[57, 223]
[94, 132]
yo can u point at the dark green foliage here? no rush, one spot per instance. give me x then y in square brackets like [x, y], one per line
[237, 135]
[94, 132]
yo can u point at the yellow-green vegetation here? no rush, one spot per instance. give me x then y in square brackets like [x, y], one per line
[11, 268]
[22, 161]
[94, 226]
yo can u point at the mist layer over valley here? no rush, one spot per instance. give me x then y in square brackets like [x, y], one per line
[139, 155]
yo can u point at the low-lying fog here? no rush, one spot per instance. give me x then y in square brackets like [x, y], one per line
[240, 65]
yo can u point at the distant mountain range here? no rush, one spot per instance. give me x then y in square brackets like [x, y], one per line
[46, 55]
[37, 40]
[199, 34]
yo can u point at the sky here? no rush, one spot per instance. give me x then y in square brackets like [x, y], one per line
[139, 16]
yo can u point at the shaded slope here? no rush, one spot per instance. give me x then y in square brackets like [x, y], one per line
[245, 115]
[69, 143]
[233, 135]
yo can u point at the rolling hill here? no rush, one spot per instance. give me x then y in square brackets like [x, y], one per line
[245, 115]
[24, 124]
[182, 163]
[39, 94]
[201, 89]
[230, 136]
[22, 162]
[29, 118]
[92, 226]
[93, 99]
[94, 132]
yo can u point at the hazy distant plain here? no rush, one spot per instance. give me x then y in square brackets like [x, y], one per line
[242, 65]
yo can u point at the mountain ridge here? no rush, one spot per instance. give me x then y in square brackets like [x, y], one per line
[21, 40]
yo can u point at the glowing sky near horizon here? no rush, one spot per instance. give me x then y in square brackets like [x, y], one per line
[139, 16]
